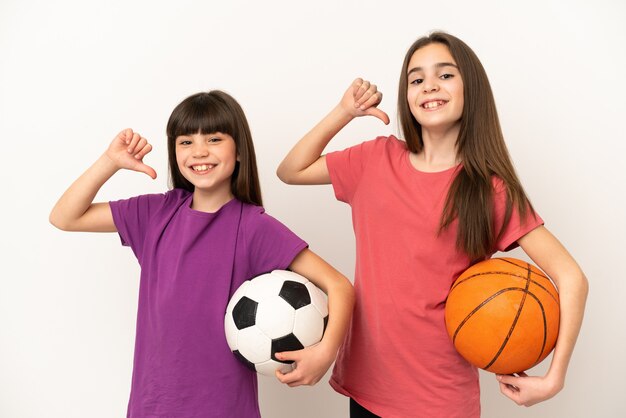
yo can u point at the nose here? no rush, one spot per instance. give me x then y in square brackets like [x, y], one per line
[430, 86]
[200, 150]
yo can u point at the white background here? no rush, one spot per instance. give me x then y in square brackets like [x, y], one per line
[74, 73]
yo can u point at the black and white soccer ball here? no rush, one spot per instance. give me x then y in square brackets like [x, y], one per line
[274, 312]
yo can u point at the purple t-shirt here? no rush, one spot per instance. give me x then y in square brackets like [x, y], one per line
[191, 263]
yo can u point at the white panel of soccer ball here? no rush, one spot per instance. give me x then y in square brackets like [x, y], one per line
[274, 312]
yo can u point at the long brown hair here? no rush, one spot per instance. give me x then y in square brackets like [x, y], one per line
[208, 113]
[480, 147]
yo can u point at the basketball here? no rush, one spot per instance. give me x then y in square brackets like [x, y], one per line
[502, 315]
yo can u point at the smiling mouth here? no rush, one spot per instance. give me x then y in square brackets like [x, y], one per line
[434, 104]
[203, 167]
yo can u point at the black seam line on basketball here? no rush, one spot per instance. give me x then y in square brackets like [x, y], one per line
[517, 315]
[480, 305]
[545, 329]
[545, 326]
[510, 274]
[494, 272]
[508, 289]
[522, 266]
[511, 289]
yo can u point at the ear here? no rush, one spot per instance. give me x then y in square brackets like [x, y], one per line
[238, 159]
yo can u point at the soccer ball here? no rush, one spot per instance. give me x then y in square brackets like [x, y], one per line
[274, 312]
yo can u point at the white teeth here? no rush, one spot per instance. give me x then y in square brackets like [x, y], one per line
[204, 167]
[434, 104]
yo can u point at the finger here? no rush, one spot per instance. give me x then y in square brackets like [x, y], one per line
[374, 98]
[144, 168]
[141, 145]
[374, 111]
[126, 135]
[356, 85]
[143, 151]
[507, 379]
[288, 378]
[509, 392]
[133, 142]
[360, 92]
[288, 355]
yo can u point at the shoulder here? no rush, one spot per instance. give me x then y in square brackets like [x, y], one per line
[374, 148]
[157, 202]
[390, 144]
[256, 222]
[170, 199]
[176, 195]
[260, 228]
[498, 186]
[393, 143]
[255, 217]
[386, 148]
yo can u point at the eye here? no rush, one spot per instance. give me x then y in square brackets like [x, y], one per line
[417, 81]
[446, 76]
[214, 139]
[184, 142]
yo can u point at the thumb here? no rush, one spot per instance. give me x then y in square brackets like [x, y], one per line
[508, 379]
[287, 356]
[376, 112]
[144, 168]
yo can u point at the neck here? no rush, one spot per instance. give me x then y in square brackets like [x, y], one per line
[210, 201]
[440, 151]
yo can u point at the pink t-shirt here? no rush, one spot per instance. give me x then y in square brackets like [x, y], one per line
[397, 359]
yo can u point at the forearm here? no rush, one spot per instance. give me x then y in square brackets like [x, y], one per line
[309, 149]
[573, 295]
[340, 306]
[77, 199]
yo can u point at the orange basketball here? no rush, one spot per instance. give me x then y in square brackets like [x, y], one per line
[503, 315]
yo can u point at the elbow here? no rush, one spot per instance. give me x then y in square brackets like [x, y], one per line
[347, 290]
[58, 221]
[283, 175]
[584, 286]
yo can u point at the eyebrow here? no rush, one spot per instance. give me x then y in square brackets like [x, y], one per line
[438, 65]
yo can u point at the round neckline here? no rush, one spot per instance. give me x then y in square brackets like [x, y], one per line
[194, 212]
[429, 173]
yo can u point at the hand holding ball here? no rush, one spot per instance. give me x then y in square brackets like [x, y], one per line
[274, 312]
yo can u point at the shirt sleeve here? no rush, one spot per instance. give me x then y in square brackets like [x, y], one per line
[270, 244]
[346, 167]
[132, 217]
[517, 227]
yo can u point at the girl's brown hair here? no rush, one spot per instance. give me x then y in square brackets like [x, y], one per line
[208, 113]
[480, 146]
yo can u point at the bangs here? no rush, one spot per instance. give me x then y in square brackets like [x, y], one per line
[201, 113]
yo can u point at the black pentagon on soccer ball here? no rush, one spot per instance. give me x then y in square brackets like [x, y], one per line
[244, 313]
[244, 360]
[296, 294]
[287, 343]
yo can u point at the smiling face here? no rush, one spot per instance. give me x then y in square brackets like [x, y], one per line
[435, 88]
[207, 161]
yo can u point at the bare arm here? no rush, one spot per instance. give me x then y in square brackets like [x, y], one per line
[550, 255]
[313, 362]
[305, 163]
[75, 210]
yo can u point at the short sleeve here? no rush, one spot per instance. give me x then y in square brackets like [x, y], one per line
[517, 227]
[270, 244]
[346, 167]
[132, 217]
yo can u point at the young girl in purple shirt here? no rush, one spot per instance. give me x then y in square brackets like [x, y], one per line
[196, 244]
